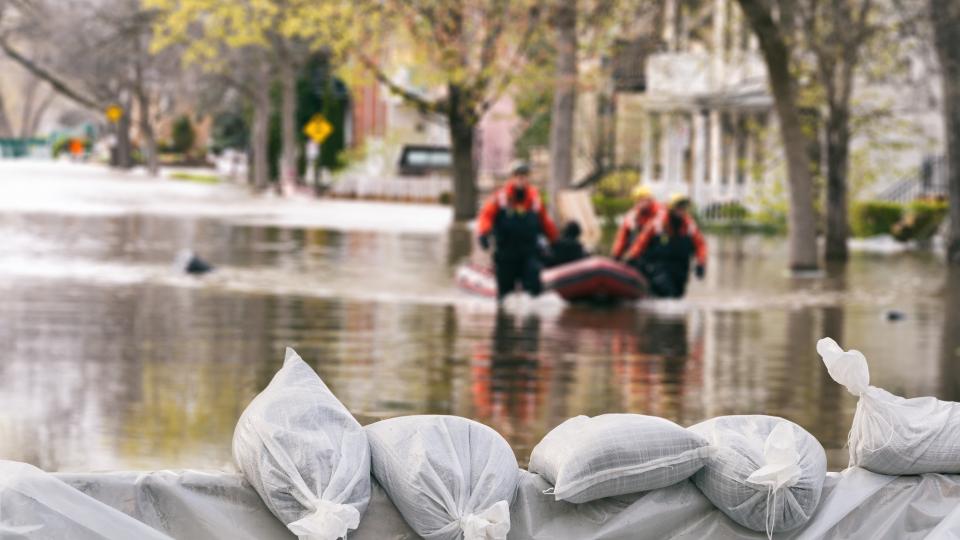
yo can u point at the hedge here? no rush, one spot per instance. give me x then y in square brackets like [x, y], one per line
[872, 218]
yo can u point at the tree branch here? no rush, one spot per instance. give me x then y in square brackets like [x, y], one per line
[436, 106]
[59, 85]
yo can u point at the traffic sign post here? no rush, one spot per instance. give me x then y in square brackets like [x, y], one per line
[318, 129]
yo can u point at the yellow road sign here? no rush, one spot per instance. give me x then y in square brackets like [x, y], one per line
[114, 113]
[318, 128]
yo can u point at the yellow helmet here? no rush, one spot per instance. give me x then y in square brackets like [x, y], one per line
[677, 199]
[642, 192]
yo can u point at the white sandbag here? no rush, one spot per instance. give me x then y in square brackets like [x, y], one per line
[450, 477]
[615, 454]
[35, 505]
[305, 454]
[890, 434]
[765, 473]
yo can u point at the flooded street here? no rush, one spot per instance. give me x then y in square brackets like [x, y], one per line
[110, 359]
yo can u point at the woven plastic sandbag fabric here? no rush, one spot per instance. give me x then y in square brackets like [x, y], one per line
[35, 505]
[765, 473]
[449, 477]
[890, 434]
[305, 454]
[615, 454]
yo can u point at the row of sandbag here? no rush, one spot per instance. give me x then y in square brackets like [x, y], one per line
[454, 478]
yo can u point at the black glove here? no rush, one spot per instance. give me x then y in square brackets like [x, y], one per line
[701, 271]
[485, 242]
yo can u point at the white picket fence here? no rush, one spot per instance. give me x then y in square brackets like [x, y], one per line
[428, 188]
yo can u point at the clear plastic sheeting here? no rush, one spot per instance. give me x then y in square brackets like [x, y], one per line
[305, 454]
[890, 434]
[451, 478]
[35, 505]
[766, 472]
[188, 505]
[615, 454]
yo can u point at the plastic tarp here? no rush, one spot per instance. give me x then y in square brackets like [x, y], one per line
[36, 505]
[855, 504]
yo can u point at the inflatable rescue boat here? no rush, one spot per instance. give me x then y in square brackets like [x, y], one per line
[594, 279]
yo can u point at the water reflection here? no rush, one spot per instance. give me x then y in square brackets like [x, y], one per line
[108, 360]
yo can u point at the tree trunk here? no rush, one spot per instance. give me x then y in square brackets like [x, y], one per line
[463, 124]
[5, 129]
[26, 109]
[564, 99]
[838, 147]
[40, 113]
[260, 137]
[946, 26]
[146, 131]
[802, 234]
[288, 112]
[123, 157]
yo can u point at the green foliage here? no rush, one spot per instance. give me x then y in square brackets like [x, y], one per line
[318, 92]
[871, 218]
[921, 220]
[609, 208]
[183, 135]
[230, 130]
[534, 109]
[62, 145]
[618, 184]
[196, 178]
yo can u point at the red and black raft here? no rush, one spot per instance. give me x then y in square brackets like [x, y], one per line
[594, 279]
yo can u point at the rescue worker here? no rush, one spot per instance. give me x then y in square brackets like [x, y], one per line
[568, 248]
[662, 251]
[645, 209]
[514, 217]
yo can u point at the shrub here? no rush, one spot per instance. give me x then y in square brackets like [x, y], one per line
[183, 134]
[618, 183]
[609, 208]
[871, 218]
[920, 221]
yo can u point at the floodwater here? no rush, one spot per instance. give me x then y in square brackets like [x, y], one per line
[109, 359]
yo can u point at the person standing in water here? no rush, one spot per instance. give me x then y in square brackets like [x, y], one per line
[663, 250]
[642, 213]
[515, 219]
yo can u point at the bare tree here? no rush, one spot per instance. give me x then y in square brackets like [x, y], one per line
[836, 31]
[564, 97]
[474, 49]
[775, 40]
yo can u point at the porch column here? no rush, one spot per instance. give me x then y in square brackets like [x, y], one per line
[648, 147]
[666, 126]
[699, 154]
[716, 150]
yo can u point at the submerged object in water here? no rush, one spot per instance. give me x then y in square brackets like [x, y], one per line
[189, 262]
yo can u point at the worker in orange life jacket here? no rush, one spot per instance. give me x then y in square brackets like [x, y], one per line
[662, 251]
[645, 209]
[516, 220]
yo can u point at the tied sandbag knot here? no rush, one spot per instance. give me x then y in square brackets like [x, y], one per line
[491, 524]
[328, 521]
[781, 470]
[849, 368]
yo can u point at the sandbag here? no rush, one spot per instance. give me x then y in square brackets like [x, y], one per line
[304, 454]
[449, 477]
[765, 473]
[890, 434]
[615, 454]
